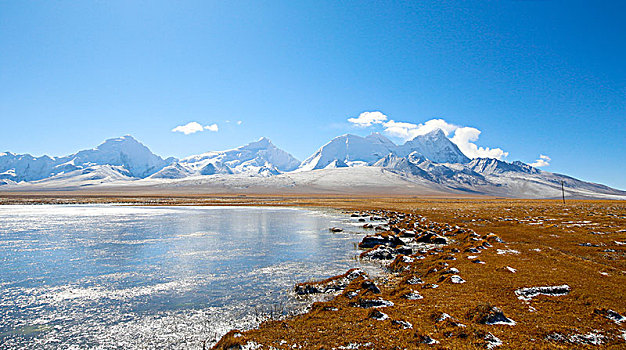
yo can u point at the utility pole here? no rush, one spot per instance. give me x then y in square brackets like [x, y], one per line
[563, 191]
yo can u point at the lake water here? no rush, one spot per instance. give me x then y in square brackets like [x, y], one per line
[119, 277]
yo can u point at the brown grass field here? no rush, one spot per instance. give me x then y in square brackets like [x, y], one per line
[581, 244]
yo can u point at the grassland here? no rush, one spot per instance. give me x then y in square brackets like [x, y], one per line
[524, 243]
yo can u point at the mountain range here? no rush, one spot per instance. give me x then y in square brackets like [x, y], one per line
[429, 164]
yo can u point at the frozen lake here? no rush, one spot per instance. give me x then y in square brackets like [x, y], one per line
[118, 277]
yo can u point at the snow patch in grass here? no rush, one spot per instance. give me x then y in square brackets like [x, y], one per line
[456, 279]
[528, 293]
[413, 295]
[507, 251]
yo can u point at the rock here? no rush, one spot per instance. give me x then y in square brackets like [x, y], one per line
[404, 251]
[373, 303]
[335, 229]
[611, 315]
[403, 324]
[330, 285]
[378, 315]
[406, 233]
[368, 226]
[413, 295]
[492, 341]
[426, 339]
[432, 238]
[490, 315]
[379, 253]
[450, 271]
[372, 241]
[371, 286]
[449, 320]
[414, 280]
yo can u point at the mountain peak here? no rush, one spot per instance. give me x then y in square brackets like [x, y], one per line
[380, 138]
[436, 147]
[349, 149]
[125, 138]
[263, 142]
[260, 157]
[434, 134]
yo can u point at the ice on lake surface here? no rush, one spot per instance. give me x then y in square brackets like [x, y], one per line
[113, 277]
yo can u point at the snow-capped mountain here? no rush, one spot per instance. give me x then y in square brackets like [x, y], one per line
[434, 146]
[429, 164]
[133, 159]
[495, 166]
[349, 150]
[259, 158]
[352, 150]
[494, 177]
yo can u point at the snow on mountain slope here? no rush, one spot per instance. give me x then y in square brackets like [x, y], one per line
[124, 152]
[498, 178]
[24, 167]
[261, 158]
[347, 164]
[349, 150]
[172, 171]
[495, 166]
[435, 146]
[346, 180]
[80, 178]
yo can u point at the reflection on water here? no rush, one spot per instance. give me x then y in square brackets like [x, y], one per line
[116, 277]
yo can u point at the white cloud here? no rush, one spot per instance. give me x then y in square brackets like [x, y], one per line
[368, 118]
[212, 127]
[189, 128]
[239, 122]
[464, 137]
[193, 127]
[408, 131]
[542, 161]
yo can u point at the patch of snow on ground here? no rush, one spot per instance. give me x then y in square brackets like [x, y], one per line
[528, 293]
[592, 338]
[414, 296]
[507, 251]
[353, 346]
[456, 279]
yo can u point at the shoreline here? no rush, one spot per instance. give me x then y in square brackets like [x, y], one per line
[546, 243]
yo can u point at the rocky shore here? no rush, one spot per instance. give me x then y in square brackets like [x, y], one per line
[430, 264]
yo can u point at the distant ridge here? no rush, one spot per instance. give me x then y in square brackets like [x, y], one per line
[426, 165]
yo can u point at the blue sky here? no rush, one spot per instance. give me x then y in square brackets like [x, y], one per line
[534, 77]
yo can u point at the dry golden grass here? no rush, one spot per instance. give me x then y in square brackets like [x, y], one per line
[542, 242]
